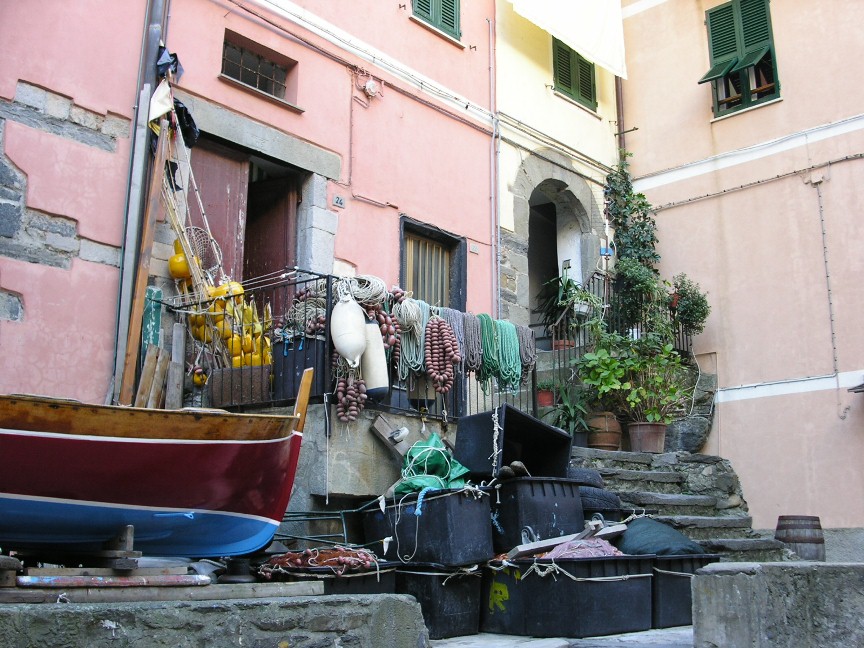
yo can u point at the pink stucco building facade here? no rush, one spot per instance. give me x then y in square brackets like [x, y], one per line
[384, 126]
[761, 204]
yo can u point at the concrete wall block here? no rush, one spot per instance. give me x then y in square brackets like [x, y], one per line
[10, 219]
[9, 176]
[315, 250]
[315, 191]
[86, 118]
[324, 219]
[116, 126]
[34, 254]
[11, 307]
[62, 243]
[52, 224]
[786, 604]
[163, 251]
[57, 106]
[99, 253]
[362, 621]
[32, 96]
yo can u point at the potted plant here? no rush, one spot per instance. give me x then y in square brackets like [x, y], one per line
[643, 381]
[604, 370]
[571, 411]
[689, 304]
[565, 305]
[545, 393]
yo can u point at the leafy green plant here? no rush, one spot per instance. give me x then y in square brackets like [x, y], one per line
[571, 411]
[563, 301]
[642, 380]
[629, 213]
[690, 304]
[640, 296]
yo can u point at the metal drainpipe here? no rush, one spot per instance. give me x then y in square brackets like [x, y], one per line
[494, 161]
[619, 113]
[137, 178]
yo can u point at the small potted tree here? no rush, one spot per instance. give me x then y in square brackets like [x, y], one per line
[689, 304]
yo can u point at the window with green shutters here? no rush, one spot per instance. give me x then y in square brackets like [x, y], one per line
[574, 75]
[441, 14]
[743, 69]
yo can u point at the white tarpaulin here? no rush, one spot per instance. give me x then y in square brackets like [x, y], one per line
[594, 28]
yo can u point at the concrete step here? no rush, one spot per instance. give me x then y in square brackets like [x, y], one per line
[621, 479]
[749, 549]
[706, 527]
[670, 504]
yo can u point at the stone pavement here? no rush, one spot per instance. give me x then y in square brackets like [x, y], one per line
[681, 637]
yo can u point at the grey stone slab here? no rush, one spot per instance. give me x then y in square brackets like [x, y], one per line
[11, 307]
[10, 219]
[33, 118]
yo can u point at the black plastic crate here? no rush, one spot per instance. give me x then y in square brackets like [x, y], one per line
[671, 594]
[449, 599]
[293, 357]
[453, 528]
[601, 596]
[544, 449]
[549, 506]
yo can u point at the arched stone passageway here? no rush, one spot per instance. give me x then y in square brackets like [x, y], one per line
[558, 223]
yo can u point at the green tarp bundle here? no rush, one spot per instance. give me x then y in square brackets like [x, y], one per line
[428, 464]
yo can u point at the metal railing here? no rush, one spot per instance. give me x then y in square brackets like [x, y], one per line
[299, 337]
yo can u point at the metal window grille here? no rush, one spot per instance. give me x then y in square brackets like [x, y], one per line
[427, 270]
[254, 70]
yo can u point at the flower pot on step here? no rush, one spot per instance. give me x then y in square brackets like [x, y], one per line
[545, 398]
[647, 437]
[604, 431]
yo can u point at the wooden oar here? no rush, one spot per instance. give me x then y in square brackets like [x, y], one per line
[302, 401]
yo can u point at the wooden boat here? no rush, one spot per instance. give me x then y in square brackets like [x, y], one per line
[194, 483]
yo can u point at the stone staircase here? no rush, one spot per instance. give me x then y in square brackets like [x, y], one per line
[699, 495]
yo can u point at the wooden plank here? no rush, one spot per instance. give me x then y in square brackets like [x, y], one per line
[157, 389]
[302, 402]
[154, 203]
[150, 359]
[157, 580]
[383, 430]
[105, 571]
[174, 385]
[532, 548]
[133, 594]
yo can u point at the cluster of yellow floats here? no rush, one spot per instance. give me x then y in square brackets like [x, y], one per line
[225, 320]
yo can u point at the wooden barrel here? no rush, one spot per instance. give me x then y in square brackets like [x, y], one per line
[803, 535]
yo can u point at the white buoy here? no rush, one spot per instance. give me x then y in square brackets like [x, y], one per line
[348, 330]
[373, 364]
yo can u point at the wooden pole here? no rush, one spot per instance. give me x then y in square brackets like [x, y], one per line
[133, 339]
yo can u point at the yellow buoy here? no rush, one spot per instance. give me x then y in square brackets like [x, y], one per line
[178, 266]
[235, 345]
[248, 343]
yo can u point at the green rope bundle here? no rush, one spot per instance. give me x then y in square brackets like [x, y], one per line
[489, 366]
[509, 357]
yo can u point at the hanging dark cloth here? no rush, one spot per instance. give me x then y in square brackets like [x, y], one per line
[186, 124]
[168, 62]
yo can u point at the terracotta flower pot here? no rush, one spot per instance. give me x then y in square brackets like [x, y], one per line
[647, 437]
[545, 398]
[604, 431]
[563, 344]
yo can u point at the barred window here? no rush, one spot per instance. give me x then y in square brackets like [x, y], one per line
[254, 70]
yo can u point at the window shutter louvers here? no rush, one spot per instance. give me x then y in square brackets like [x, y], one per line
[563, 67]
[450, 16]
[755, 23]
[423, 9]
[586, 80]
[721, 28]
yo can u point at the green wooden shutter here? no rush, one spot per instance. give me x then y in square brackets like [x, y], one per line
[450, 17]
[586, 81]
[755, 25]
[722, 39]
[423, 9]
[562, 64]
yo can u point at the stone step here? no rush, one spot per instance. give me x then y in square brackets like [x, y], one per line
[749, 549]
[704, 527]
[621, 479]
[670, 504]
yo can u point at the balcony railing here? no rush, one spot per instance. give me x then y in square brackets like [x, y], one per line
[299, 336]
